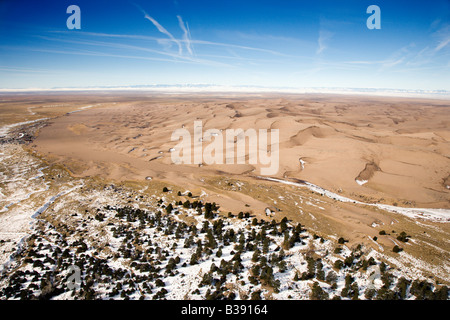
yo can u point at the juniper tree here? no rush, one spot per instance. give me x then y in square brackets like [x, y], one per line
[319, 271]
[263, 261]
[441, 293]
[286, 243]
[211, 241]
[422, 290]
[255, 270]
[256, 295]
[401, 287]
[282, 266]
[283, 225]
[266, 274]
[205, 226]
[188, 242]
[187, 204]
[311, 267]
[218, 227]
[252, 235]
[178, 232]
[169, 208]
[317, 293]
[293, 239]
[240, 246]
[265, 246]
[209, 214]
[331, 277]
[237, 266]
[256, 255]
[194, 259]
[199, 248]
[207, 279]
[403, 237]
[237, 257]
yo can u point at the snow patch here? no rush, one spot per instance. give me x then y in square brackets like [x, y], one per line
[361, 182]
[302, 163]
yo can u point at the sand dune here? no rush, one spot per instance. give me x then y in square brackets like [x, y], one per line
[339, 136]
[311, 132]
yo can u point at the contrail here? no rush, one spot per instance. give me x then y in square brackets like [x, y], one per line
[186, 34]
[161, 29]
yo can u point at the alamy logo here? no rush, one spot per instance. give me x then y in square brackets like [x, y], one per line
[74, 280]
[227, 149]
[375, 276]
[74, 20]
[374, 21]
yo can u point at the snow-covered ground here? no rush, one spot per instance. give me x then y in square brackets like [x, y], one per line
[5, 129]
[437, 215]
[25, 193]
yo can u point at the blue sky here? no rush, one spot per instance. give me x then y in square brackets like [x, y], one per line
[252, 43]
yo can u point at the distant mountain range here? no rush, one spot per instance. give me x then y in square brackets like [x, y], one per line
[213, 88]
